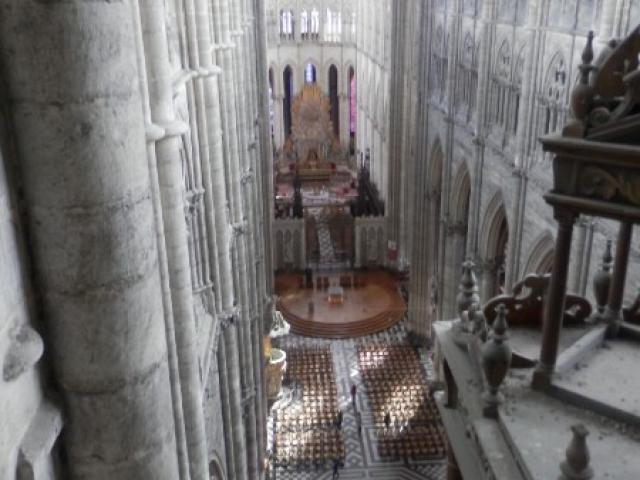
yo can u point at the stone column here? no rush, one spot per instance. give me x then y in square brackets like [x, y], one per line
[226, 378]
[264, 185]
[616, 290]
[242, 216]
[226, 26]
[206, 89]
[72, 79]
[418, 314]
[577, 258]
[447, 162]
[253, 197]
[393, 187]
[172, 199]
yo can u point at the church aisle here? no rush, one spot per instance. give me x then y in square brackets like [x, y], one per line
[361, 450]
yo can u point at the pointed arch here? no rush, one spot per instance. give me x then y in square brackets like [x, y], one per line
[456, 241]
[461, 192]
[310, 72]
[353, 108]
[287, 85]
[215, 470]
[500, 86]
[552, 99]
[334, 100]
[467, 76]
[272, 96]
[540, 258]
[494, 239]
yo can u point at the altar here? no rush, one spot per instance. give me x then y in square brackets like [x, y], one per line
[335, 295]
[312, 150]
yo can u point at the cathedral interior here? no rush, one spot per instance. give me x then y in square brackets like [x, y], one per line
[314, 239]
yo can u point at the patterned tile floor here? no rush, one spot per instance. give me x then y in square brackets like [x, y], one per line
[362, 460]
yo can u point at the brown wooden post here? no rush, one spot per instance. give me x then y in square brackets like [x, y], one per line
[616, 291]
[554, 306]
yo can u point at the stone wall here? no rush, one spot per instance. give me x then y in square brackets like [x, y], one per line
[494, 76]
[144, 162]
[25, 412]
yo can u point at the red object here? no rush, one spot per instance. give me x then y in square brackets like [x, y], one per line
[333, 166]
[292, 167]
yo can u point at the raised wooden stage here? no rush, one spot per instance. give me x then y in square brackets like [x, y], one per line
[374, 304]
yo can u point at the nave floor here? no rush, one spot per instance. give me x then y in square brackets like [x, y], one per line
[362, 459]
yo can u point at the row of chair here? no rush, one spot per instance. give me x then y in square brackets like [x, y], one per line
[406, 419]
[305, 430]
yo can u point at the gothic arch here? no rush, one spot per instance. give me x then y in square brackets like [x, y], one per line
[540, 258]
[555, 78]
[460, 193]
[494, 239]
[215, 470]
[349, 67]
[288, 86]
[500, 86]
[552, 101]
[333, 85]
[456, 239]
[353, 106]
[329, 62]
[314, 64]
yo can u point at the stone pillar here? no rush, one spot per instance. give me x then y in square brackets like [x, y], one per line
[616, 290]
[578, 257]
[392, 188]
[172, 199]
[226, 24]
[418, 313]
[264, 182]
[226, 377]
[242, 219]
[235, 393]
[72, 79]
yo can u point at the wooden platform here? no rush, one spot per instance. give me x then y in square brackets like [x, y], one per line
[369, 308]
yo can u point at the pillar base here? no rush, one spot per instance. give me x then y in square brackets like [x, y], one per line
[542, 377]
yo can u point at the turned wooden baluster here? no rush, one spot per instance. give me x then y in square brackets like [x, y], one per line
[554, 306]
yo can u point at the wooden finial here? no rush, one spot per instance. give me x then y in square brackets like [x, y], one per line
[496, 359]
[468, 288]
[576, 465]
